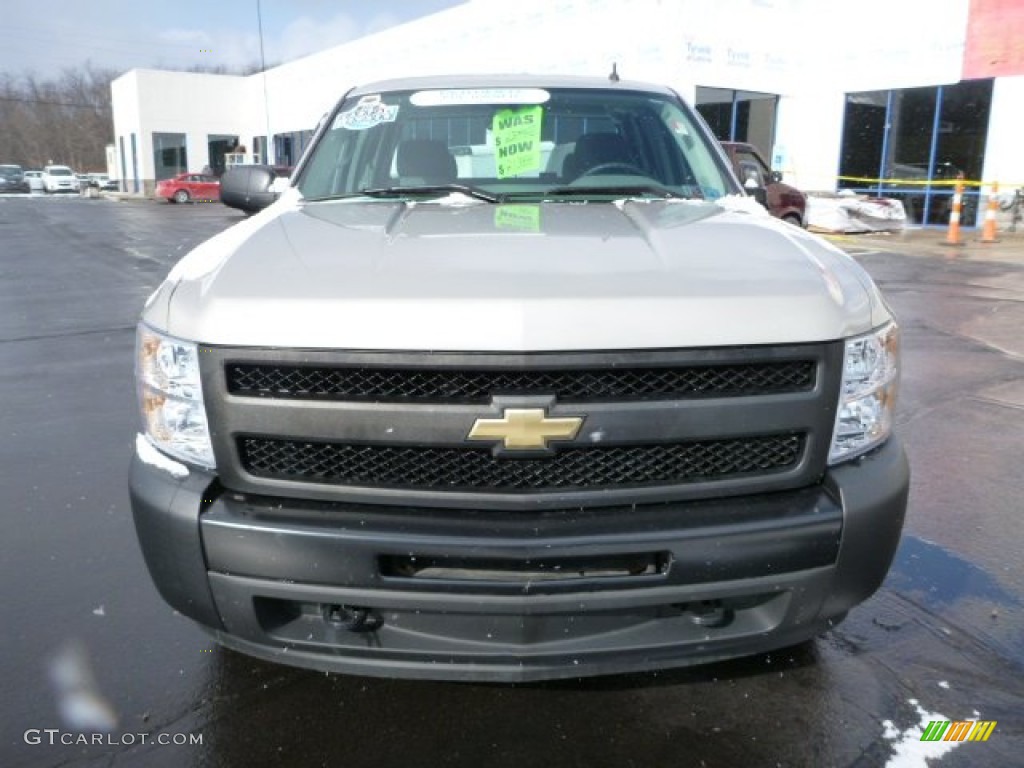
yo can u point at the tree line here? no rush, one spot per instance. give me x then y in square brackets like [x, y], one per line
[64, 119]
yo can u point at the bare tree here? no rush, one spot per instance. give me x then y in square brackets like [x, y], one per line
[66, 119]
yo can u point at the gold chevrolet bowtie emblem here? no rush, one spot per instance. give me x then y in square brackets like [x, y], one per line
[525, 429]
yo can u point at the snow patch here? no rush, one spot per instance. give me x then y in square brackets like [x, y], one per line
[908, 750]
[150, 455]
[622, 202]
[456, 199]
[741, 204]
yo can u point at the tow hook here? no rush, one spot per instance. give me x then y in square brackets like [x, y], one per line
[351, 617]
[710, 613]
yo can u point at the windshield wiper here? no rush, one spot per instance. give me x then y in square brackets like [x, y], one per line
[431, 189]
[627, 190]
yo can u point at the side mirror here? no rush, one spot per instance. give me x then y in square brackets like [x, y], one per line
[248, 187]
[758, 193]
[776, 177]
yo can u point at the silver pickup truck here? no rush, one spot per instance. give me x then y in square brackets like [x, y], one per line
[512, 381]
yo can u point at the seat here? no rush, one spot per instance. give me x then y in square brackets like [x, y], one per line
[596, 149]
[426, 159]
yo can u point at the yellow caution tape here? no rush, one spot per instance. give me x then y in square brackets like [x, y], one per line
[925, 183]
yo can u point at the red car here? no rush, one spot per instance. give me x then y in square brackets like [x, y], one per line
[189, 186]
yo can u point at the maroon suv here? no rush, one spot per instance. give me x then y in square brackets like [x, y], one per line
[784, 201]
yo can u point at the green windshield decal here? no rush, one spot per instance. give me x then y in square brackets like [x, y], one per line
[517, 140]
[518, 218]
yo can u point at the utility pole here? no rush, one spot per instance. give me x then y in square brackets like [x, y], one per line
[269, 149]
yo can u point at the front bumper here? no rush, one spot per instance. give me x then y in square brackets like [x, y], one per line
[512, 596]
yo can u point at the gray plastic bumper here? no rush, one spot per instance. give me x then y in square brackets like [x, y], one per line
[510, 596]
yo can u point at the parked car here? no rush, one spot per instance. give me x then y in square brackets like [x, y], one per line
[102, 181]
[783, 201]
[189, 186]
[12, 179]
[446, 411]
[35, 181]
[59, 178]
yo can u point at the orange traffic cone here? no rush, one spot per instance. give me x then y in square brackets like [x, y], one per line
[988, 231]
[953, 233]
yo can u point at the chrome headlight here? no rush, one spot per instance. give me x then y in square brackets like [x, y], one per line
[171, 397]
[867, 400]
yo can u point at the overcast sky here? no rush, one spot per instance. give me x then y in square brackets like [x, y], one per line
[45, 36]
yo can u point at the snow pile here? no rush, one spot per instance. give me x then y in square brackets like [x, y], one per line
[855, 213]
[908, 749]
[741, 204]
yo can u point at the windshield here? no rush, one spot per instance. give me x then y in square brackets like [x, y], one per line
[59, 172]
[514, 143]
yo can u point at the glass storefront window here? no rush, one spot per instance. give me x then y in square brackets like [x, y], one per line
[913, 144]
[960, 140]
[908, 149]
[288, 147]
[747, 116]
[170, 155]
[218, 145]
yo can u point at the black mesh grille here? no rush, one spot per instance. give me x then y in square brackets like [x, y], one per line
[478, 385]
[451, 469]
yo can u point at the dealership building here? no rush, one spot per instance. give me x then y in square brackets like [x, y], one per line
[895, 99]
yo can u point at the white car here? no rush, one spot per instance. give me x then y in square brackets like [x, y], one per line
[59, 178]
[103, 181]
[35, 181]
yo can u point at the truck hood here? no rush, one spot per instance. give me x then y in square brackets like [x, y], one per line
[457, 276]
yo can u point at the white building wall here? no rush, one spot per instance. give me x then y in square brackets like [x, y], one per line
[871, 45]
[682, 43]
[157, 101]
[810, 53]
[124, 92]
[1004, 160]
[808, 136]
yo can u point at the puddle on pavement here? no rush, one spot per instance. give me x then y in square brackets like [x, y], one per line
[941, 577]
[956, 593]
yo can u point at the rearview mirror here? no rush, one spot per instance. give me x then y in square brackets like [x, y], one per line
[248, 187]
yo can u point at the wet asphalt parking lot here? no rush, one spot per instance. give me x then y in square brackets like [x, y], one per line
[86, 639]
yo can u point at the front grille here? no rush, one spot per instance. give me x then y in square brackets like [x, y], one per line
[468, 385]
[454, 469]
[390, 427]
